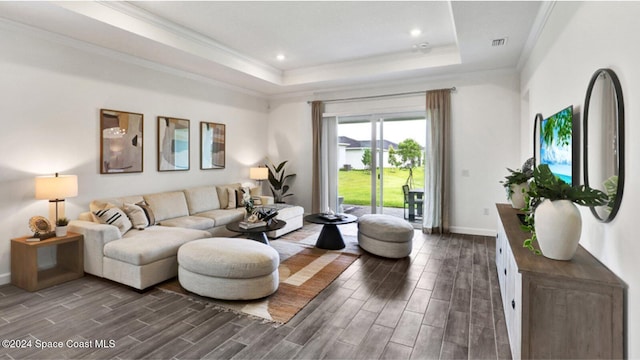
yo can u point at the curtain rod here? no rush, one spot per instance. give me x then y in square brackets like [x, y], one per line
[381, 96]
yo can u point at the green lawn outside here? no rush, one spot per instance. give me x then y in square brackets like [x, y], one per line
[355, 186]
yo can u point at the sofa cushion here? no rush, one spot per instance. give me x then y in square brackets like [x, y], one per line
[148, 213]
[202, 198]
[286, 211]
[141, 247]
[232, 196]
[224, 217]
[190, 222]
[114, 216]
[137, 216]
[167, 205]
[223, 196]
[102, 204]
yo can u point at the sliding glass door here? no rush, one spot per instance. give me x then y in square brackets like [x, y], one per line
[378, 154]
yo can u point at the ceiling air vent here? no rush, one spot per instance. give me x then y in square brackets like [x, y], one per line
[499, 42]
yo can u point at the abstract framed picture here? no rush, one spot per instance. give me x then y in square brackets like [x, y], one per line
[212, 146]
[173, 144]
[120, 142]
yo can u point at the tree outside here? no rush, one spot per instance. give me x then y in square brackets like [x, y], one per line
[354, 185]
[410, 153]
[410, 156]
[366, 158]
[393, 158]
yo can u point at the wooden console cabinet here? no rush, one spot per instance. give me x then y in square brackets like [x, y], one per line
[556, 309]
[24, 262]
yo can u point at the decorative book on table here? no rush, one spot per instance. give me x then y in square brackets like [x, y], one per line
[251, 225]
[332, 217]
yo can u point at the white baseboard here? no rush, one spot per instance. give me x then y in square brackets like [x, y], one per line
[473, 231]
[5, 278]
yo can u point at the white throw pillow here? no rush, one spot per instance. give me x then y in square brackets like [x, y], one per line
[136, 215]
[114, 216]
[231, 193]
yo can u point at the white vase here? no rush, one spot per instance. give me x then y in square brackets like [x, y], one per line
[517, 197]
[61, 231]
[558, 227]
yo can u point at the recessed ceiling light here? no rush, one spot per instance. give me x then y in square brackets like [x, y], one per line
[423, 47]
[280, 57]
[416, 32]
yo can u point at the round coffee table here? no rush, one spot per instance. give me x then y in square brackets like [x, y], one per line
[330, 237]
[257, 233]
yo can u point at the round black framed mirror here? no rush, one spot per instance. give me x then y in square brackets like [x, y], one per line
[603, 145]
[537, 120]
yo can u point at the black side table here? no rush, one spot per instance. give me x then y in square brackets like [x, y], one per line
[330, 237]
[257, 233]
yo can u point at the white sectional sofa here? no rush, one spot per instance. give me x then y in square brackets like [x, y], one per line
[143, 257]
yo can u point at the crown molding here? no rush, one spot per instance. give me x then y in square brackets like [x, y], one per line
[11, 25]
[127, 17]
[546, 8]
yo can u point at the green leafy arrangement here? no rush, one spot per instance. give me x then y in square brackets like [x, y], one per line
[63, 221]
[545, 185]
[516, 177]
[278, 181]
[611, 187]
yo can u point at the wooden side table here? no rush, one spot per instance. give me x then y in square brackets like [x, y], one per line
[24, 261]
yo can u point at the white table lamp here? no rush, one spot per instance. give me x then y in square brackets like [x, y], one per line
[56, 189]
[259, 174]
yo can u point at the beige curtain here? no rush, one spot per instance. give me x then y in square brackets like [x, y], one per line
[316, 120]
[437, 157]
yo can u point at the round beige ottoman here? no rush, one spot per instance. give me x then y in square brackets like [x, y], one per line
[385, 235]
[228, 269]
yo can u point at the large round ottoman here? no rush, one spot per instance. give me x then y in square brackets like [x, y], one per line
[229, 269]
[385, 235]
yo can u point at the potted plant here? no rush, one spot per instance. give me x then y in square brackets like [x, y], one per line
[553, 218]
[61, 226]
[278, 181]
[517, 184]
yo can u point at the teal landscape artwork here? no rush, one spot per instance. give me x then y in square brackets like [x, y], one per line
[556, 144]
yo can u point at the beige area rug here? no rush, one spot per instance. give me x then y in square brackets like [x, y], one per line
[304, 272]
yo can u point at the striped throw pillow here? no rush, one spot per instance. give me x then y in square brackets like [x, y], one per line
[114, 216]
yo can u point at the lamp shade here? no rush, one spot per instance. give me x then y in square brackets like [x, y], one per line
[56, 187]
[258, 173]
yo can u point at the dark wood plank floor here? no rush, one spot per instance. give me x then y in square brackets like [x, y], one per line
[443, 302]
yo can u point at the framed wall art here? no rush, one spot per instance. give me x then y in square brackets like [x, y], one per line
[120, 142]
[212, 146]
[173, 144]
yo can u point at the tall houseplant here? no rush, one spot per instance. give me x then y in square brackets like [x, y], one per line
[554, 219]
[278, 181]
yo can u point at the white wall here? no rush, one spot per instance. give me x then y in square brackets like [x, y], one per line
[51, 93]
[289, 135]
[578, 39]
[485, 138]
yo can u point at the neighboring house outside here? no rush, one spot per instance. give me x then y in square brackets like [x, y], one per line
[350, 152]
